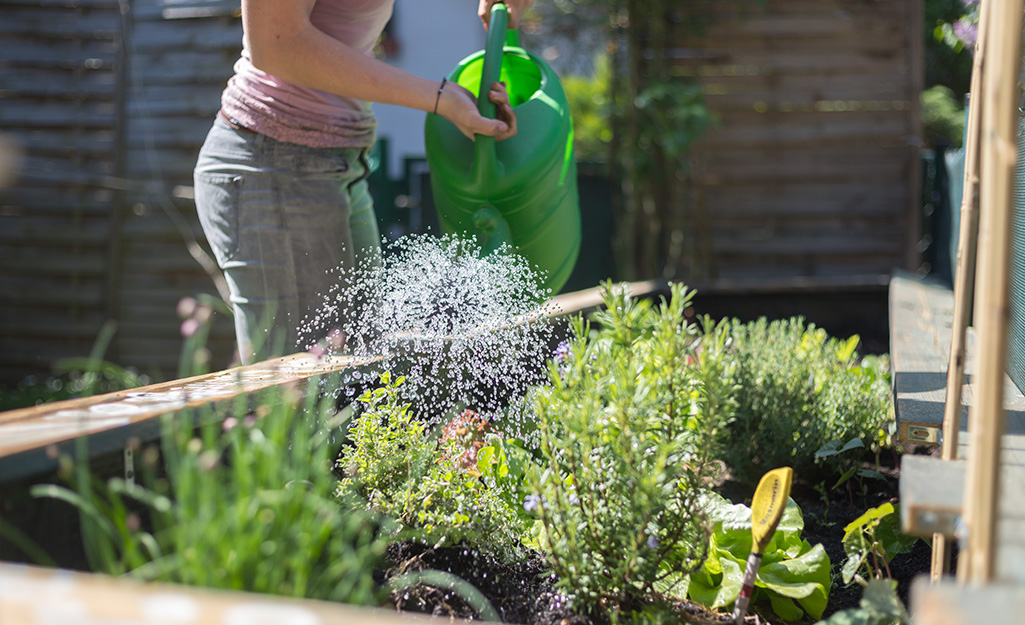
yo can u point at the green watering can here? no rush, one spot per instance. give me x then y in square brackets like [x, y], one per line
[521, 191]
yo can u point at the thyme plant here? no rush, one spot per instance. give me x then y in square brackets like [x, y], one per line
[800, 389]
[626, 429]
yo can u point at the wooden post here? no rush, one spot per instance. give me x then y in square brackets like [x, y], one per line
[964, 283]
[1000, 95]
[913, 259]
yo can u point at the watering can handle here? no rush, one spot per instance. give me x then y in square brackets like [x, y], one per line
[492, 70]
[485, 160]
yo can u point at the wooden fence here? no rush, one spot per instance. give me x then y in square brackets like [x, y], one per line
[109, 102]
[812, 174]
[813, 171]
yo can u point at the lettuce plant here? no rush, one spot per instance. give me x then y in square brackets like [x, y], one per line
[794, 576]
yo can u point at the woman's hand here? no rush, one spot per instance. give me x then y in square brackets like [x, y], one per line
[459, 106]
[516, 10]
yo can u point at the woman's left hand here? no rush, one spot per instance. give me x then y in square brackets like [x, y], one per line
[516, 10]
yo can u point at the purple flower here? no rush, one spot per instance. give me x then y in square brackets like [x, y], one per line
[966, 31]
[531, 502]
[189, 327]
[653, 542]
[561, 352]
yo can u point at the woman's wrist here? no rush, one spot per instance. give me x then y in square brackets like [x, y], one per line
[441, 89]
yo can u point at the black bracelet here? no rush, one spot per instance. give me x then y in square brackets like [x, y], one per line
[440, 89]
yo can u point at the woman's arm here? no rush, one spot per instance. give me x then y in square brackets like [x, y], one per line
[282, 42]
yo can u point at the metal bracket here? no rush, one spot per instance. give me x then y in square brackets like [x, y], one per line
[129, 465]
[919, 433]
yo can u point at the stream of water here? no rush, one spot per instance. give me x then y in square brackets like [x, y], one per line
[468, 331]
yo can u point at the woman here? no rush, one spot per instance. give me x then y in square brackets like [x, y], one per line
[281, 179]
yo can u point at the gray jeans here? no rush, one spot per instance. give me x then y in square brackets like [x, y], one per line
[282, 219]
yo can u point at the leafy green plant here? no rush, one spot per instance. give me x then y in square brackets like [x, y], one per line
[798, 390]
[855, 471]
[871, 541]
[75, 377]
[396, 467]
[248, 503]
[794, 576]
[879, 606]
[943, 116]
[588, 99]
[624, 429]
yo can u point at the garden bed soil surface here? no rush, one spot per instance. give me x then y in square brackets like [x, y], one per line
[525, 592]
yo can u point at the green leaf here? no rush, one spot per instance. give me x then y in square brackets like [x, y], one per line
[852, 564]
[785, 608]
[719, 588]
[845, 350]
[871, 473]
[848, 474]
[893, 540]
[880, 597]
[872, 515]
[805, 578]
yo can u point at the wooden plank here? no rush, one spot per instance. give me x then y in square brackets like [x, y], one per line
[920, 314]
[63, 4]
[61, 25]
[42, 265]
[758, 242]
[948, 603]
[991, 312]
[26, 433]
[791, 201]
[163, 37]
[34, 52]
[789, 132]
[31, 595]
[931, 495]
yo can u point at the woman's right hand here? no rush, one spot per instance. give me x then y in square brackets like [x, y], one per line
[516, 10]
[459, 106]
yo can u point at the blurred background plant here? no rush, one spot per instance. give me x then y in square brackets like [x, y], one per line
[93, 375]
[943, 117]
[639, 116]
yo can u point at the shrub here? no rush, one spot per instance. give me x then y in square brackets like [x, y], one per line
[624, 433]
[942, 117]
[799, 389]
[396, 467]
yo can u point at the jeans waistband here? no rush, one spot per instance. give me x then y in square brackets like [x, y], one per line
[231, 121]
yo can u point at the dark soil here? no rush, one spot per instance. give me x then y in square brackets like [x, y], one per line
[525, 592]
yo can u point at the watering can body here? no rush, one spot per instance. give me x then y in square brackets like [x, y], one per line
[521, 191]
